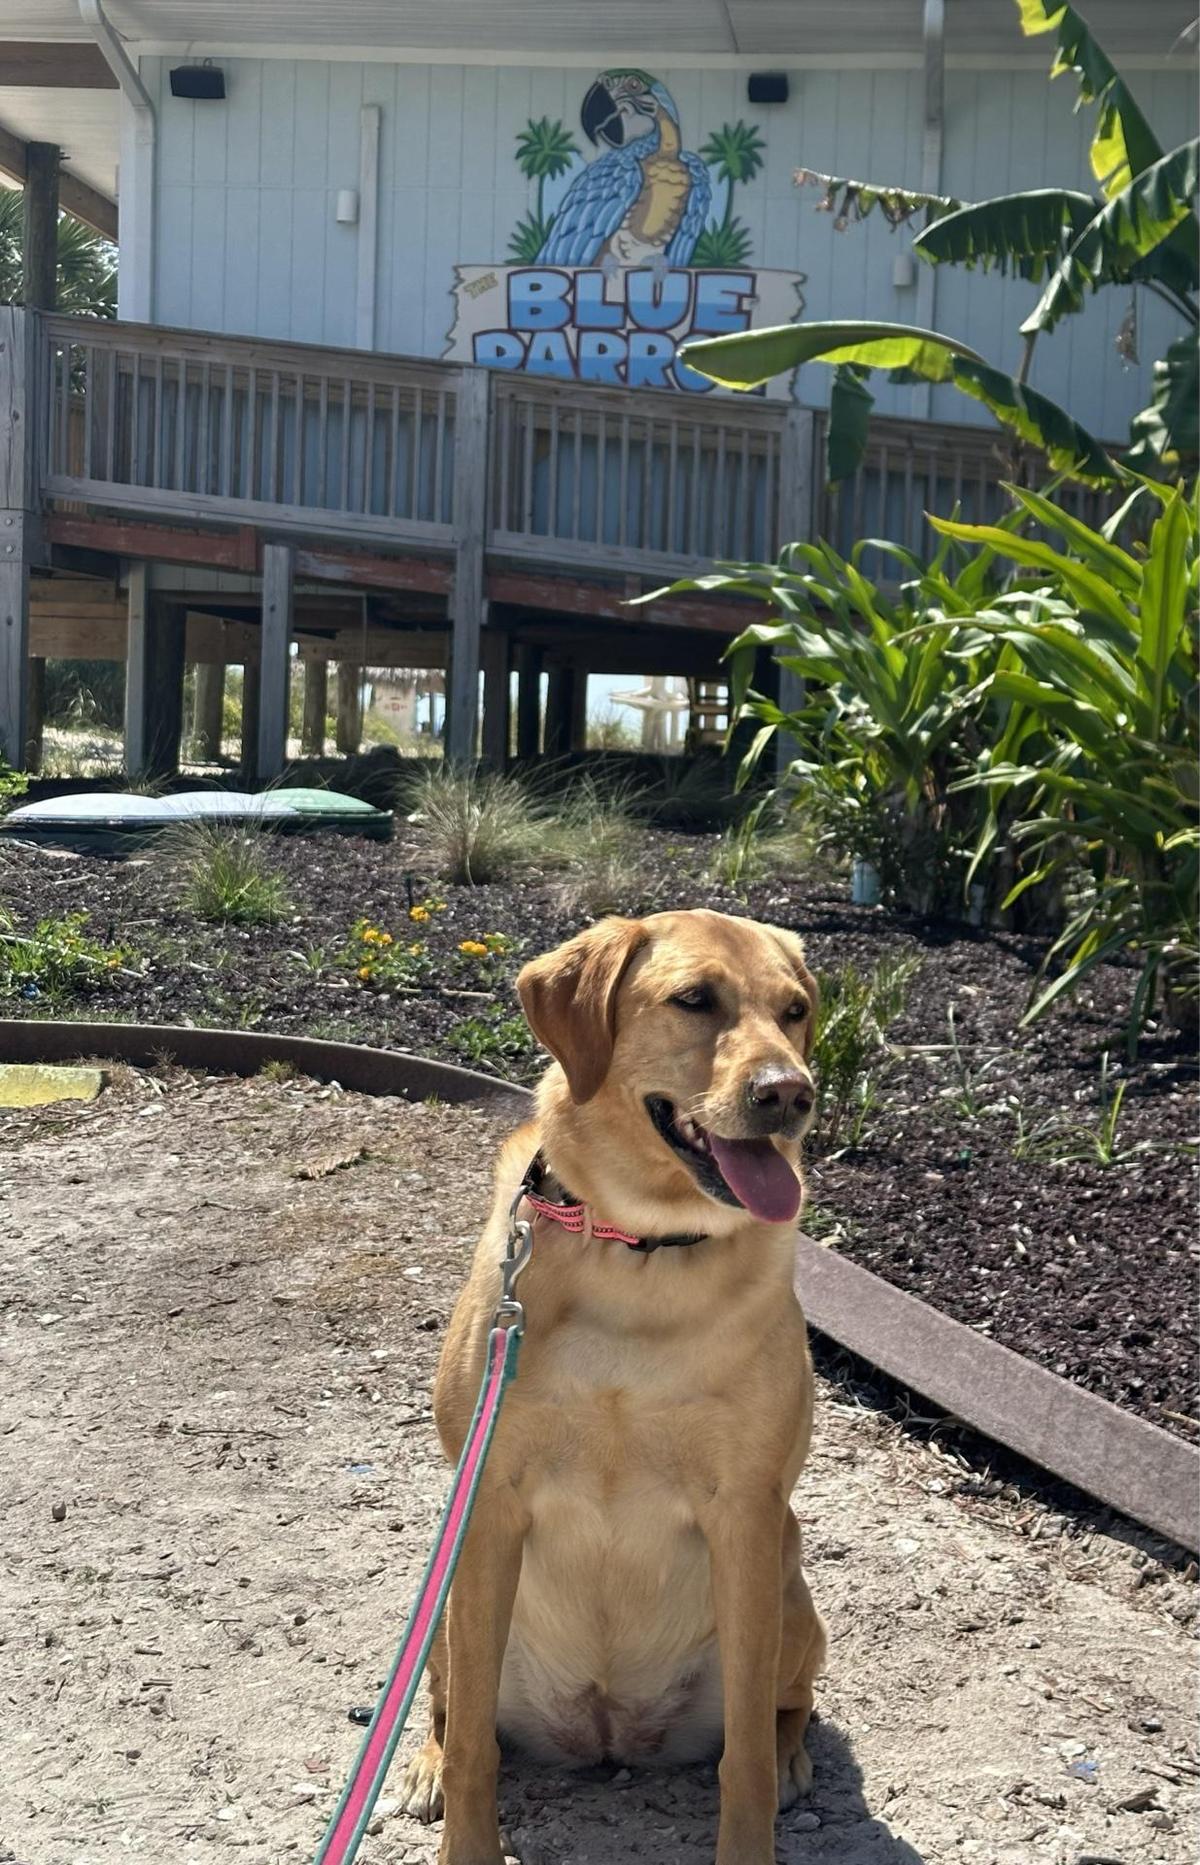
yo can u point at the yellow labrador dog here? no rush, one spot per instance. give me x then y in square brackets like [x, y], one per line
[630, 1587]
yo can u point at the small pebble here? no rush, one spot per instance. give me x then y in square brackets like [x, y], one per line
[58, 1512]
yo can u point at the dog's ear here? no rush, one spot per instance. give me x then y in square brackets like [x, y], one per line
[793, 949]
[569, 997]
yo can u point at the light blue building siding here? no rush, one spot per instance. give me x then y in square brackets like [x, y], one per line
[248, 240]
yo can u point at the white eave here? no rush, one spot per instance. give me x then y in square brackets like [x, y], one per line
[678, 32]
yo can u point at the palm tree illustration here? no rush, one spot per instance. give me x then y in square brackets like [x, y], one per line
[736, 151]
[545, 150]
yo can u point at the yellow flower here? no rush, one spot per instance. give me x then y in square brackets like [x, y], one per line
[418, 913]
[385, 938]
[114, 961]
[365, 973]
[473, 947]
[417, 947]
[370, 936]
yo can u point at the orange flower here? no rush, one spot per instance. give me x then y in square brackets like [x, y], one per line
[473, 947]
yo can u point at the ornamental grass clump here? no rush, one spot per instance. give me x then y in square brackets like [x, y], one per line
[479, 827]
[224, 873]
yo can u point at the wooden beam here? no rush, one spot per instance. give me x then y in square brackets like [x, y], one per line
[275, 649]
[208, 712]
[74, 196]
[59, 65]
[364, 571]
[470, 523]
[68, 638]
[496, 697]
[568, 595]
[529, 701]
[19, 540]
[316, 708]
[216, 550]
[349, 708]
[39, 246]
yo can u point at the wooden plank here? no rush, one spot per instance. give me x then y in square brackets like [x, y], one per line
[18, 530]
[165, 543]
[75, 196]
[278, 569]
[494, 649]
[208, 712]
[470, 518]
[316, 707]
[58, 65]
[567, 595]
[39, 248]
[1133, 1466]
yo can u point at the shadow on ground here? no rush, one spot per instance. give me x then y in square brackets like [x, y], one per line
[618, 1816]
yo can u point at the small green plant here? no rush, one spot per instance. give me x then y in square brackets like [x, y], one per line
[55, 961]
[850, 1045]
[479, 827]
[278, 1071]
[481, 961]
[966, 1092]
[224, 874]
[13, 785]
[314, 958]
[759, 848]
[378, 959]
[495, 1040]
[1057, 1141]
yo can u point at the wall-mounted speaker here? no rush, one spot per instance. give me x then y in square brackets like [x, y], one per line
[768, 87]
[202, 83]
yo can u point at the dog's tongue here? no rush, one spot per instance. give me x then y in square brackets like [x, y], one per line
[759, 1178]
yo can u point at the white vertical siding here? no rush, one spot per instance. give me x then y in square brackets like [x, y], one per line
[248, 240]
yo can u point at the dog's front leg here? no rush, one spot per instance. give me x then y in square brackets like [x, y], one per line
[743, 1534]
[478, 1617]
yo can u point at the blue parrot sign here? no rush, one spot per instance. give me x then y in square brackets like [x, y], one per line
[624, 257]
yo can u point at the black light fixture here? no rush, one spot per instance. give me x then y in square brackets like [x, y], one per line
[203, 83]
[768, 87]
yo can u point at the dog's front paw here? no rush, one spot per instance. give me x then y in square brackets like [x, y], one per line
[795, 1773]
[421, 1788]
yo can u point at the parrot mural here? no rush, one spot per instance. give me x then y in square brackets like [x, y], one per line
[645, 200]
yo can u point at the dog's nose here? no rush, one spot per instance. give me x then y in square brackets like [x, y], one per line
[780, 1091]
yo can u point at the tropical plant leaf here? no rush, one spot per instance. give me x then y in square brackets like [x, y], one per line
[1069, 448]
[1021, 233]
[723, 243]
[1166, 435]
[1123, 143]
[850, 405]
[855, 200]
[1135, 227]
[749, 358]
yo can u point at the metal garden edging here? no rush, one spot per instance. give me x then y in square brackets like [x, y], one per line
[1136, 1468]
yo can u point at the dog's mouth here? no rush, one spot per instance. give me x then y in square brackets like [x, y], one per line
[750, 1173]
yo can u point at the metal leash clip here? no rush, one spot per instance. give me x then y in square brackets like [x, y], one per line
[509, 1311]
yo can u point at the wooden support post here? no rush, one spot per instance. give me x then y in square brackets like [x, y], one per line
[349, 708]
[470, 520]
[39, 247]
[560, 711]
[579, 697]
[35, 717]
[791, 699]
[316, 706]
[529, 702]
[19, 530]
[251, 686]
[797, 481]
[208, 715]
[153, 679]
[496, 697]
[276, 649]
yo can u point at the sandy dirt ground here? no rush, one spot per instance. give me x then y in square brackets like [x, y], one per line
[221, 1308]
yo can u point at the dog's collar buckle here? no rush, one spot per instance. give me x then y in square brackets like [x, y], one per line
[570, 1214]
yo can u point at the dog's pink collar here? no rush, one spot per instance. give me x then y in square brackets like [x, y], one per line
[574, 1216]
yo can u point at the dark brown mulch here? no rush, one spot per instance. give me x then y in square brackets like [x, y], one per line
[1088, 1269]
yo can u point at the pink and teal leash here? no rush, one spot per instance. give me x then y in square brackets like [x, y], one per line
[345, 1831]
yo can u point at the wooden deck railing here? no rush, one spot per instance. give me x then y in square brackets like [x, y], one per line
[354, 445]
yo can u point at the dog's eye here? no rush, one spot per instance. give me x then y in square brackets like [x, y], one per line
[699, 997]
[796, 1011]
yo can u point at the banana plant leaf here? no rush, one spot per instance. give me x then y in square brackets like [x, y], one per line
[855, 200]
[1166, 435]
[1123, 143]
[749, 358]
[1130, 238]
[1022, 233]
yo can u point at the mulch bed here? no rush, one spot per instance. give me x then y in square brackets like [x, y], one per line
[1087, 1269]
